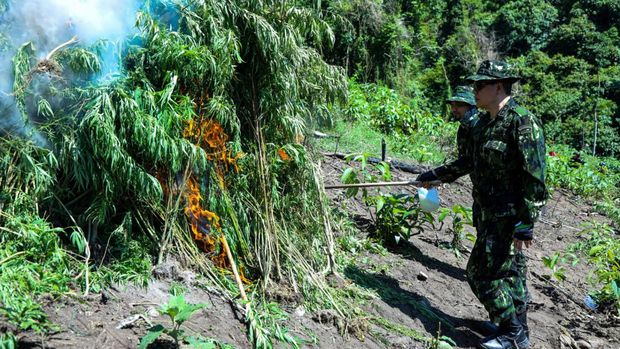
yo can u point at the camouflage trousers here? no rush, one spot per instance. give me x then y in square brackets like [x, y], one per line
[495, 272]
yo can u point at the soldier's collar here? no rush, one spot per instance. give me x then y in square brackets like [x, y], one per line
[469, 115]
[511, 104]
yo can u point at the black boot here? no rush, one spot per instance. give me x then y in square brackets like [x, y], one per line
[523, 320]
[488, 328]
[510, 336]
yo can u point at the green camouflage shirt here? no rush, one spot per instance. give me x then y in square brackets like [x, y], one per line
[464, 144]
[506, 162]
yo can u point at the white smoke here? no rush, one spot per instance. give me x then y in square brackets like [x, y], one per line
[49, 23]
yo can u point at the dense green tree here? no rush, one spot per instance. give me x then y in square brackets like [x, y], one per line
[604, 13]
[564, 92]
[580, 38]
[423, 48]
[522, 25]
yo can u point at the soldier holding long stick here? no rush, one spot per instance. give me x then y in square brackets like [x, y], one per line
[506, 162]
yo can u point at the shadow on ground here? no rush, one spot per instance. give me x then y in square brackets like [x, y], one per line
[465, 332]
[410, 251]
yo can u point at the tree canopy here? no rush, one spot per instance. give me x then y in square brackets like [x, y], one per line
[567, 51]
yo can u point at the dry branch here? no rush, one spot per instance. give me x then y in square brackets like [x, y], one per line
[72, 41]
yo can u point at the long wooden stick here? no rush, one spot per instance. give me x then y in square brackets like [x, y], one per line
[382, 184]
[233, 265]
[410, 168]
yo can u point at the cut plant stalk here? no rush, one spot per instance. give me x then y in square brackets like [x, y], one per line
[233, 266]
[331, 255]
[72, 41]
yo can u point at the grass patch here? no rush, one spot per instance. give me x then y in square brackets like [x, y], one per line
[357, 137]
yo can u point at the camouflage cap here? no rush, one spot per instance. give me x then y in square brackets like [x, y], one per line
[493, 70]
[463, 94]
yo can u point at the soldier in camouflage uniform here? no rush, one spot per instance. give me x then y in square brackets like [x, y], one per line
[507, 169]
[463, 107]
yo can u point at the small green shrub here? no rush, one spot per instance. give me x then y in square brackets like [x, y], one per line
[32, 263]
[385, 110]
[398, 217]
[179, 311]
[596, 177]
[8, 341]
[610, 208]
[460, 216]
[557, 271]
[381, 107]
[366, 173]
[601, 247]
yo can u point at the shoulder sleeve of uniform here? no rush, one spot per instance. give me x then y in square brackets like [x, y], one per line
[521, 111]
[532, 151]
[529, 127]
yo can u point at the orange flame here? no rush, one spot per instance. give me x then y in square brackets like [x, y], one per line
[196, 213]
[210, 135]
[202, 223]
[283, 154]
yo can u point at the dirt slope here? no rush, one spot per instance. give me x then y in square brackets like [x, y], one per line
[558, 318]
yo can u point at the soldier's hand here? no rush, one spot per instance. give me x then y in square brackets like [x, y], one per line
[523, 235]
[427, 176]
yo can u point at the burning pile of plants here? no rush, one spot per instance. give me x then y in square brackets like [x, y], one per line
[189, 149]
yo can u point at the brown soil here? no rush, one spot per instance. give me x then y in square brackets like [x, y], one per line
[558, 318]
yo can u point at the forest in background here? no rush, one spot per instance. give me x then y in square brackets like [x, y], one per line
[566, 51]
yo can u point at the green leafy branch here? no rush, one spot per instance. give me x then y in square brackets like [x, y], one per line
[179, 311]
[460, 217]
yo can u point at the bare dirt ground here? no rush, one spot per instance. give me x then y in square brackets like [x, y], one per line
[118, 317]
[558, 317]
